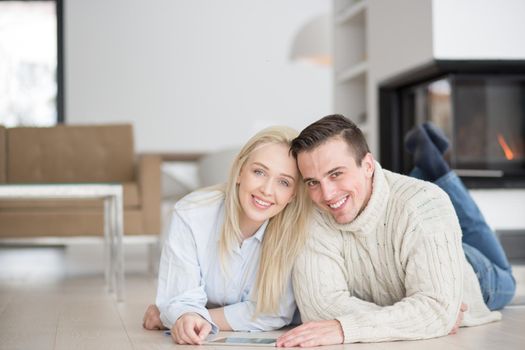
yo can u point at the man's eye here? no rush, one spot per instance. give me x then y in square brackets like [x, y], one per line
[311, 183]
[335, 174]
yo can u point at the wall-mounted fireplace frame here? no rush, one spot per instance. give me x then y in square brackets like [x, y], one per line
[394, 123]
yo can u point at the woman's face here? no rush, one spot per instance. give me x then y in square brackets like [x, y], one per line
[267, 183]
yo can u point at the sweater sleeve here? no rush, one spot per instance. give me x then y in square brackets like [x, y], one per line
[431, 257]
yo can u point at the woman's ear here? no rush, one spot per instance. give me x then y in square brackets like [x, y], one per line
[292, 198]
[294, 195]
[238, 180]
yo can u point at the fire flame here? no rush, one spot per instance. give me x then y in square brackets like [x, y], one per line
[506, 149]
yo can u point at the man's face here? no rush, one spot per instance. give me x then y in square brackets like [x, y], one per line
[335, 182]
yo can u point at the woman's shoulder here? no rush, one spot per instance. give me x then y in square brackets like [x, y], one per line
[202, 199]
[201, 210]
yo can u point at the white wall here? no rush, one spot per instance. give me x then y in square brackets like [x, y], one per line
[191, 75]
[478, 29]
[503, 209]
[405, 34]
[399, 36]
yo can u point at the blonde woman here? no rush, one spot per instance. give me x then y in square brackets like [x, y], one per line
[227, 262]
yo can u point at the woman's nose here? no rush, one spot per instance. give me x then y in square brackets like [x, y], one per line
[267, 187]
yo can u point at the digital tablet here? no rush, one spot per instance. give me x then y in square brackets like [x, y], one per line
[242, 341]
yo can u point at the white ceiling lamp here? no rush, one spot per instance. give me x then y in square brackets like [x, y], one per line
[313, 42]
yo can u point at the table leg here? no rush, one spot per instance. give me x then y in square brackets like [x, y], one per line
[119, 246]
[108, 263]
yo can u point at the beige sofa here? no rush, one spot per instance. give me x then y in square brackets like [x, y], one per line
[77, 154]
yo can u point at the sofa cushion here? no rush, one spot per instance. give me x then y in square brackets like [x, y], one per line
[43, 223]
[70, 154]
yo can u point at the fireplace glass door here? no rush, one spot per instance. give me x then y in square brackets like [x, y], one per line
[482, 115]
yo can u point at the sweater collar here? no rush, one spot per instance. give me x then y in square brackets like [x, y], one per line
[368, 219]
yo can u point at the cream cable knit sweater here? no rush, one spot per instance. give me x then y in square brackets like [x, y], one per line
[397, 272]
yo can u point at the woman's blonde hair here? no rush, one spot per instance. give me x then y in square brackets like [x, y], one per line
[285, 233]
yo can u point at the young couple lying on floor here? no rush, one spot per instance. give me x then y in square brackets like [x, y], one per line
[312, 221]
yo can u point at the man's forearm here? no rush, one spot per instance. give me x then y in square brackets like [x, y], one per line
[410, 319]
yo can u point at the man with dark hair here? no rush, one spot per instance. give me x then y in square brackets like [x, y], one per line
[385, 259]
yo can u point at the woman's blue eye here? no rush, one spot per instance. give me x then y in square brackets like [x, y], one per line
[285, 183]
[258, 172]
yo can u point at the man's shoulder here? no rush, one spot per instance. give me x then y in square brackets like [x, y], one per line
[411, 191]
[424, 203]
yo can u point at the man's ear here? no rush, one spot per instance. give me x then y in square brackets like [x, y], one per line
[369, 164]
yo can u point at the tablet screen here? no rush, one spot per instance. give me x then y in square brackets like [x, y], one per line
[236, 340]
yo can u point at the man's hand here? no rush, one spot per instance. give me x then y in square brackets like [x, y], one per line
[313, 334]
[190, 328]
[151, 320]
[462, 309]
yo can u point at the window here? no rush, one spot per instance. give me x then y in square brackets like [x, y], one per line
[31, 63]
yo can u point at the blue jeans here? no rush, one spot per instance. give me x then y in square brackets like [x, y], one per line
[482, 248]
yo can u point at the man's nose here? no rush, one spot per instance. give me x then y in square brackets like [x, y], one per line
[328, 191]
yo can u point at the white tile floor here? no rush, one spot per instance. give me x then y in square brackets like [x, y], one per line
[55, 298]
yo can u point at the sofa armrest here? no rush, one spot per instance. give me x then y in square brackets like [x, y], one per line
[149, 182]
[3, 154]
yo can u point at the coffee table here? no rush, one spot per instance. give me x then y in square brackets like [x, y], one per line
[111, 194]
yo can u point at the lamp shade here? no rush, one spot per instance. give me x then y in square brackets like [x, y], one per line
[312, 43]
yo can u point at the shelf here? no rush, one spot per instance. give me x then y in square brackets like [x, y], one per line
[351, 64]
[350, 99]
[352, 72]
[350, 48]
[351, 11]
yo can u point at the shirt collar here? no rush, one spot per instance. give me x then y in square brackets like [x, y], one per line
[259, 234]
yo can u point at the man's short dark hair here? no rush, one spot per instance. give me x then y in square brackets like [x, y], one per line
[326, 128]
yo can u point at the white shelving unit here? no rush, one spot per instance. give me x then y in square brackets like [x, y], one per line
[351, 66]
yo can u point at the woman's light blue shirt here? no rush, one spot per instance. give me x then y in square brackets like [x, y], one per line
[190, 274]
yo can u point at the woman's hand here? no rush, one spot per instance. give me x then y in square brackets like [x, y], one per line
[151, 319]
[190, 328]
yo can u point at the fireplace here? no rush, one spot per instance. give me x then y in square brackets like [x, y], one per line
[479, 105]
